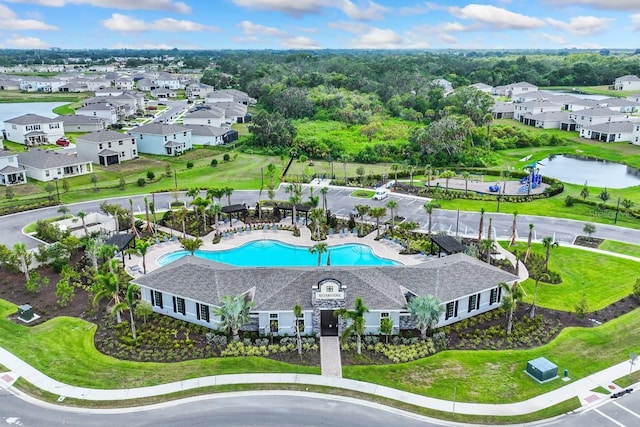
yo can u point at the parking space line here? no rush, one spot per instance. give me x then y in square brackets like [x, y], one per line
[626, 409]
[609, 418]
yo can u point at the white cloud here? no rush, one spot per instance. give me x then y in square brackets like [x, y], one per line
[128, 24]
[23, 42]
[582, 25]
[10, 21]
[166, 5]
[300, 42]
[447, 38]
[372, 11]
[350, 27]
[378, 38]
[248, 39]
[555, 39]
[600, 4]
[250, 28]
[419, 9]
[636, 21]
[144, 45]
[496, 17]
[296, 8]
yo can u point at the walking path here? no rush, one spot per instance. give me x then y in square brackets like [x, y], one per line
[580, 388]
[330, 361]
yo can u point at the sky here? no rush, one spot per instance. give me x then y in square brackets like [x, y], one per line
[320, 24]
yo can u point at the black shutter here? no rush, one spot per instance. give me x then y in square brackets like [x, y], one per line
[198, 310]
[175, 308]
[455, 311]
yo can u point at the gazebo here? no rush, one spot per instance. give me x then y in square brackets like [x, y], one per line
[240, 210]
[122, 242]
[448, 245]
[287, 207]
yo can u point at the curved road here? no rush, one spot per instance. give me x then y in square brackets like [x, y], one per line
[340, 203]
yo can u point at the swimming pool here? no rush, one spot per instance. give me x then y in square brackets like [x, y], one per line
[271, 253]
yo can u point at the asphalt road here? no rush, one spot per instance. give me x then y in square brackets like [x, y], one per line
[621, 412]
[340, 203]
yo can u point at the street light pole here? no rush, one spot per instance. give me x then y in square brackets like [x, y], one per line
[57, 190]
[175, 179]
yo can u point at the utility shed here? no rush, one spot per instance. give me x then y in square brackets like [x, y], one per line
[542, 369]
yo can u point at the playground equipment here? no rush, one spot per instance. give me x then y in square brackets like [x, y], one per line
[494, 188]
[532, 180]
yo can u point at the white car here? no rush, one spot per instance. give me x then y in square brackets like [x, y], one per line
[381, 194]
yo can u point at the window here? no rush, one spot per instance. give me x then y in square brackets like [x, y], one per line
[474, 302]
[156, 299]
[202, 312]
[384, 315]
[496, 294]
[100, 146]
[109, 145]
[329, 288]
[122, 154]
[133, 142]
[300, 322]
[120, 143]
[178, 305]
[273, 323]
[451, 310]
[134, 152]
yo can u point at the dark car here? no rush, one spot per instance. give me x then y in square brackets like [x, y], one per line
[63, 142]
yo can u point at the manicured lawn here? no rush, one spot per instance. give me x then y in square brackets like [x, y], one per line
[63, 349]
[620, 247]
[603, 279]
[363, 194]
[19, 96]
[498, 376]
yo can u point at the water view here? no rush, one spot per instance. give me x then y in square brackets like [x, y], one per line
[597, 173]
[11, 110]
[271, 253]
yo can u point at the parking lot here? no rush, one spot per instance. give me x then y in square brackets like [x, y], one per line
[621, 412]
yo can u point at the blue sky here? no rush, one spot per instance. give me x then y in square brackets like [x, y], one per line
[331, 24]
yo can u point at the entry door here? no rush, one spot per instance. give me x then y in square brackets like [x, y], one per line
[328, 323]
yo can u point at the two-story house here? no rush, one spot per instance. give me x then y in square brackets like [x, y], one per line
[45, 165]
[205, 116]
[106, 111]
[163, 139]
[533, 107]
[107, 147]
[594, 116]
[33, 129]
[11, 172]
[80, 123]
[198, 90]
[628, 82]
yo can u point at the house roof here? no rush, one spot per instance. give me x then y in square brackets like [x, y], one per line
[121, 241]
[205, 113]
[105, 135]
[629, 77]
[503, 107]
[11, 169]
[79, 120]
[159, 129]
[617, 102]
[536, 104]
[107, 152]
[204, 130]
[96, 106]
[172, 144]
[44, 159]
[481, 86]
[448, 244]
[549, 115]
[29, 119]
[446, 278]
[7, 153]
[597, 112]
[521, 84]
[613, 127]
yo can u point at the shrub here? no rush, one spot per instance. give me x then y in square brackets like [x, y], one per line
[141, 182]
[189, 164]
[214, 162]
[582, 307]
[636, 289]
[568, 201]
[150, 175]
[226, 157]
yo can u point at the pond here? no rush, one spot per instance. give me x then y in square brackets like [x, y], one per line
[272, 253]
[597, 173]
[12, 110]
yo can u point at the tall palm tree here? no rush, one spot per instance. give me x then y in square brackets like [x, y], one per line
[512, 295]
[181, 217]
[147, 217]
[302, 159]
[486, 246]
[134, 229]
[548, 243]
[152, 208]
[527, 254]
[512, 241]
[428, 170]
[20, 250]
[392, 205]
[129, 303]
[428, 208]
[539, 277]
[297, 313]
[200, 205]
[481, 224]
[345, 159]
[377, 213]
[319, 248]
[357, 325]
[228, 191]
[140, 249]
[191, 245]
[407, 227]
[232, 313]
[395, 167]
[427, 311]
[324, 191]
[294, 190]
[83, 215]
[108, 287]
[447, 175]
[218, 193]
[362, 210]
[214, 210]
[466, 175]
[317, 215]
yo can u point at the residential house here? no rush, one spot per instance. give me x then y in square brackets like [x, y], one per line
[205, 116]
[80, 123]
[594, 116]
[107, 147]
[229, 95]
[106, 111]
[628, 82]
[503, 110]
[124, 83]
[635, 137]
[446, 85]
[482, 87]
[573, 103]
[163, 139]
[620, 104]
[234, 112]
[33, 129]
[548, 120]
[207, 135]
[198, 90]
[635, 97]
[162, 93]
[533, 107]
[45, 165]
[146, 85]
[11, 172]
[610, 131]
[189, 289]
[515, 89]
[168, 81]
[7, 83]
[109, 92]
[74, 86]
[39, 84]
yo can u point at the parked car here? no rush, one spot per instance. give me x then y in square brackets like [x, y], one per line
[63, 142]
[381, 194]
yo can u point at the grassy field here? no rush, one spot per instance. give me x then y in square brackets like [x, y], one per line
[620, 248]
[498, 376]
[591, 90]
[603, 279]
[19, 96]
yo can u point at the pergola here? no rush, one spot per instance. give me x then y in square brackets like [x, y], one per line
[122, 242]
[239, 210]
[447, 244]
[287, 207]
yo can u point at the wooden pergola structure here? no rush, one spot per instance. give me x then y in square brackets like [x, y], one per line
[300, 208]
[122, 242]
[447, 245]
[240, 210]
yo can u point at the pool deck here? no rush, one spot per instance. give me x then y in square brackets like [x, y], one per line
[382, 248]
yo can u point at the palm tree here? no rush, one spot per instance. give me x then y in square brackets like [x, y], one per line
[548, 243]
[218, 193]
[428, 170]
[466, 175]
[447, 175]
[140, 249]
[152, 208]
[362, 210]
[233, 313]
[109, 287]
[181, 216]
[294, 190]
[20, 250]
[228, 191]
[345, 159]
[527, 254]
[481, 224]
[394, 168]
[539, 277]
[64, 210]
[513, 294]
[200, 205]
[407, 227]
[513, 229]
[297, 313]
[134, 229]
[302, 159]
[147, 217]
[214, 210]
[357, 325]
[392, 205]
[427, 311]
[377, 213]
[486, 246]
[428, 208]
[191, 245]
[129, 303]
[324, 190]
[319, 248]
[82, 215]
[316, 217]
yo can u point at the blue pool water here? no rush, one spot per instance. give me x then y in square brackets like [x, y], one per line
[271, 253]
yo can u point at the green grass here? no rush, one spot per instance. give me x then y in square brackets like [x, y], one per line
[620, 248]
[363, 194]
[604, 279]
[601, 390]
[486, 376]
[18, 96]
[628, 380]
[63, 348]
[68, 109]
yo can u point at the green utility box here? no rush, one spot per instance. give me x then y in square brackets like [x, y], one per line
[25, 312]
[542, 370]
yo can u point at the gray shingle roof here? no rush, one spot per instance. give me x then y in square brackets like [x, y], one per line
[597, 112]
[204, 130]
[549, 115]
[28, 119]
[205, 113]
[6, 153]
[11, 169]
[174, 144]
[107, 152]
[159, 129]
[613, 127]
[281, 288]
[43, 159]
[104, 136]
[79, 120]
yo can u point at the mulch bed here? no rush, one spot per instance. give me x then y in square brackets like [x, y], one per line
[589, 242]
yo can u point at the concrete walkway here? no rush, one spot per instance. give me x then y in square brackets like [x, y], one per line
[330, 360]
[580, 388]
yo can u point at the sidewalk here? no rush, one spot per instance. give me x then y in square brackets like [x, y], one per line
[580, 388]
